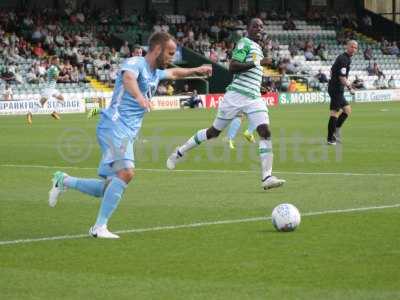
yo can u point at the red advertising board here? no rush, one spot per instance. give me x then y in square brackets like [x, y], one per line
[271, 98]
[212, 100]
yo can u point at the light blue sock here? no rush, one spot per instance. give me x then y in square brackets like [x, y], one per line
[111, 199]
[251, 128]
[234, 127]
[91, 186]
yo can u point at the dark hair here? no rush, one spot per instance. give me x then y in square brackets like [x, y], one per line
[159, 38]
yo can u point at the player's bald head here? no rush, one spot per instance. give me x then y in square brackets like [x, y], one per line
[351, 47]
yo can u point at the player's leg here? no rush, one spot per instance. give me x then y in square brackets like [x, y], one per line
[346, 112]
[117, 165]
[29, 118]
[200, 136]
[248, 133]
[124, 173]
[62, 181]
[56, 95]
[258, 117]
[233, 130]
[335, 106]
[226, 112]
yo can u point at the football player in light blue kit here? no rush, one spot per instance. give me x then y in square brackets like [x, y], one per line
[119, 126]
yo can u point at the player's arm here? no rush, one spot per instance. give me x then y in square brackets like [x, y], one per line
[131, 85]
[177, 73]
[237, 66]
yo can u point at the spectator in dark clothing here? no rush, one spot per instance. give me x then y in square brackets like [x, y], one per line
[321, 77]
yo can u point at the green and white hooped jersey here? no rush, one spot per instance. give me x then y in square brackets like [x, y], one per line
[52, 75]
[247, 83]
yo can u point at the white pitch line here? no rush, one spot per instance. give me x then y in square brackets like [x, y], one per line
[206, 171]
[195, 225]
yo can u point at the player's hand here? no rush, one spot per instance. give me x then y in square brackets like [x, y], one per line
[352, 91]
[205, 70]
[146, 104]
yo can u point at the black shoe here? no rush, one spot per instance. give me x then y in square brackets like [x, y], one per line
[331, 142]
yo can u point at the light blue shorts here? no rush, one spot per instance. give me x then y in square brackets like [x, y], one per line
[117, 145]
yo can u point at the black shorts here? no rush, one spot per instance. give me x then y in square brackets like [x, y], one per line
[338, 101]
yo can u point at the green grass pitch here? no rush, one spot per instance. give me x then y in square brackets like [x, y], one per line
[341, 255]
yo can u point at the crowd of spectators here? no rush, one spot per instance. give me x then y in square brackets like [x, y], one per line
[78, 38]
[82, 42]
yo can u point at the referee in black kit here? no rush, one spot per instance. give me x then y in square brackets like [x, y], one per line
[340, 109]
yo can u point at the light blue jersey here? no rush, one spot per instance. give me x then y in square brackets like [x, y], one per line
[124, 108]
[120, 124]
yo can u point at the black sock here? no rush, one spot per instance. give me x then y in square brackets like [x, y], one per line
[343, 116]
[331, 127]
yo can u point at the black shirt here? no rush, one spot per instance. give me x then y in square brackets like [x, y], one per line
[341, 67]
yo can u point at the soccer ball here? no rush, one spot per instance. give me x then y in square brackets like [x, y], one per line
[285, 217]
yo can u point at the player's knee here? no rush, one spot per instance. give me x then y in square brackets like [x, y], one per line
[263, 131]
[126, 175]
[334, 113]
[347, 110]
[212, 132]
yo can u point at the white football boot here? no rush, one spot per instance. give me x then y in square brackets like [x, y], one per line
[272, 182]
[57, 187]
[173, 159]
[102, 232]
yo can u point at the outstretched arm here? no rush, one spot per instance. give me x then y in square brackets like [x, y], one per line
[177, 73]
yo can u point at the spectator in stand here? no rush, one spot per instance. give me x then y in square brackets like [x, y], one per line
[368, 54]
[31, 76]
[384, 46]
[8, 75]
[186, 90]
[309, 51]
[292, 86]
[321, 77]
[377, 70]
[393, 49]
[137, 51]
[392, 83]
[170, 88]
[289, 25]
[75, 75]
[38, 51]
[194, 101]
[157, 27]
[284, 82]
[358, 83]
[7, 93]
[82, 74]
[321, 52]
[380, 82]
[37, 35]
[367, 22]
[124, 50]
[162, 89]
[215, 30]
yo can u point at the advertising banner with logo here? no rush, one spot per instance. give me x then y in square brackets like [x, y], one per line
[212, 100]
[21, 107]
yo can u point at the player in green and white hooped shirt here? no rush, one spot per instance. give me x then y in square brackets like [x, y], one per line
[50, 92]
[242, 96]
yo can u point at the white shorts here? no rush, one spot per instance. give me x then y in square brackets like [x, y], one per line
[50, 94]
[234, 104]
